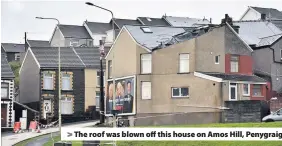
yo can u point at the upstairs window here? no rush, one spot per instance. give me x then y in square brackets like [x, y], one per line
[66, 81]
[48, 81]
[183, 63]
[17, 57]
[4, 90]
[234, 64]
[216, 59]
[146, 63]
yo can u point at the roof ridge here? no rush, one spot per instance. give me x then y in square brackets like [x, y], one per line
[271, 36]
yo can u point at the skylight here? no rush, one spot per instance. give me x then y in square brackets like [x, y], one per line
[146, 29]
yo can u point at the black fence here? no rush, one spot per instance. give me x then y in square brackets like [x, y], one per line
[245, 111]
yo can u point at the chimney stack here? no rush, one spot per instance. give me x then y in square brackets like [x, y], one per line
[211, 20]
[263, 16]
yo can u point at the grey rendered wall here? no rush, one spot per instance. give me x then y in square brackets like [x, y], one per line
[208, 46]
[262, 59]
[29, 80]
[233, 45]
[276, 73]
[277, 48]
[58, 39]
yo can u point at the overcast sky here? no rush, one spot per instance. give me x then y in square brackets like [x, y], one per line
[18, 16]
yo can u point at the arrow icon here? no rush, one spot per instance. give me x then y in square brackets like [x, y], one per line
[69, 134]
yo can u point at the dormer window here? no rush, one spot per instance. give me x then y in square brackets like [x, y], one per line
[149, 19]
[146, 30]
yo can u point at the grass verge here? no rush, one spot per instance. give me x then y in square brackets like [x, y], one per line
[198, 143]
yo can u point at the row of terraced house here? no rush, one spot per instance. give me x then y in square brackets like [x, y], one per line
[163, 65]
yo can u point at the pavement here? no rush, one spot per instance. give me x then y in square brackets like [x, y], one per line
[42, 140]
[10, 139]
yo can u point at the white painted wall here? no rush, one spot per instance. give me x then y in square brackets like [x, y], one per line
[97, 38]
[251, 15]
[109, 38]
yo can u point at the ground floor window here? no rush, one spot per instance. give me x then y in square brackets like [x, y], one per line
[257, 90]
[67, 105]
[233, 91]
[180, 92]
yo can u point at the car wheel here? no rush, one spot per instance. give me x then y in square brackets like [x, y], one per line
[269, 120]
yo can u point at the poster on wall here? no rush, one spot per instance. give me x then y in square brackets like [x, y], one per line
[124, 99]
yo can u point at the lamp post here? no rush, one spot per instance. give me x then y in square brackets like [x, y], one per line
[102, 108]
[59, 74]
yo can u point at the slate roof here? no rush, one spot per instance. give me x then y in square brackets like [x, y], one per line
[255, 32]
[235, 77]
[122, 22]
[98, 27]
[6, 71]
[48, 57]
[38, 43]
[277, 23]
[153, 21]
[74, 31]
[185, 21]
[152, 40]
[91, 56]
[12, 47]
[273, 13]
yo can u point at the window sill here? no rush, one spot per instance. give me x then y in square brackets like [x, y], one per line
[67, 90]
[181, 97]
[260, 96]
[183, 73]
[245, 95]
[145, 73]
[146, 99]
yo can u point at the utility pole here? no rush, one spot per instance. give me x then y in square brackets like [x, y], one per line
[102, 107]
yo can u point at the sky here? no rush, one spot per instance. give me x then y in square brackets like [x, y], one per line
[18, 16]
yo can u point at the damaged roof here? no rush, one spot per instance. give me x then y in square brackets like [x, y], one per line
[121, 22]
[258, 32]
[270, 12]
[235, 77]
[153, 21]
[185, 21]
[91, 56]
[74, 31]
[6, 71]
[155, 35]
[12, 47]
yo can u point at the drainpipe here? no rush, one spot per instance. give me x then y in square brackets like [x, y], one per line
[221, 102]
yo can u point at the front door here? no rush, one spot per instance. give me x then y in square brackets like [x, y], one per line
[47, 108]
[3, 115]
[233, 91]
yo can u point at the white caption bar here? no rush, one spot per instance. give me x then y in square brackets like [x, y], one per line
[153, 134]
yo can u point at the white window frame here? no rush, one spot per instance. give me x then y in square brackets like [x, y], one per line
[52, 77]
[236, 90]
[66, 77]
[232, 62]
[180, 96]
[65, 99]
[144, 85]
[17, 56]
[260, 91]
[5, 88]
[146, 29]
[246, 94]
[146, 58]
[216, 57]
[182, 58]
[97, 98]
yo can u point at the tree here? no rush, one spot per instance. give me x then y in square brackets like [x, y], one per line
[15, 65]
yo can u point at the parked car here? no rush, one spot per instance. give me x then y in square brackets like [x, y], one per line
[275, 116]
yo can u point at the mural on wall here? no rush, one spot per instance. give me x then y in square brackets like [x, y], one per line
[124, 98]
